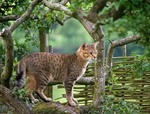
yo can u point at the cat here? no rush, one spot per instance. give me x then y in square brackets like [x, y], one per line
[38, 69]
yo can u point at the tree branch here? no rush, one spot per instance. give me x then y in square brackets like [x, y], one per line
[8, 98]
[14, 17]
[58, 7]
[98, 5]
[82, 80]
[8, 18]
[54, 108]
[93, 13]
[115, 44]
[25, 16]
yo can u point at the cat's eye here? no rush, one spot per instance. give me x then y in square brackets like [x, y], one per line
[91, 53]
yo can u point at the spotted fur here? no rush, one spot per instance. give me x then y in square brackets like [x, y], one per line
[41, 68]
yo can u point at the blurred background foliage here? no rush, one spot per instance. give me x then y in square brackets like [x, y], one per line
[66, 38]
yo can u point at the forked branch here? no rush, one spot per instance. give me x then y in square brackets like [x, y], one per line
[117, 43]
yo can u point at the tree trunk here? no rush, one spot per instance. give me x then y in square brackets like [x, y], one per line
[9, 54]
[43, 40]
[97, 35]
[99, 75]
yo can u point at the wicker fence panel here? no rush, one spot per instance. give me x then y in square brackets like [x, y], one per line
[130, 86]
[127, 85]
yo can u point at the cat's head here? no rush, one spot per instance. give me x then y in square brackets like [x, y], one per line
[88, 52]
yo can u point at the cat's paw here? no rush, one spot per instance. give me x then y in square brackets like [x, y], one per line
[48, 99]
[35, 101]
[73, 103]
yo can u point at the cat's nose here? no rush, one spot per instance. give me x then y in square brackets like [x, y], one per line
[94, 57]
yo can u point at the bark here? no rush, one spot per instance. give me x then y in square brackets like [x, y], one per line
[93, 13]
[82, 80]
[8, 18]
[1, 69]
[8, 99]
[54, 108]
[99, 75]
[8, 44]
[58, 7]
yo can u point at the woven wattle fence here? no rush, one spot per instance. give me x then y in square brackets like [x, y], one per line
[129, 83]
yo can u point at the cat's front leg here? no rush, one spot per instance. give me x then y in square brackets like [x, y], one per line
[69, 83]
[76, 101]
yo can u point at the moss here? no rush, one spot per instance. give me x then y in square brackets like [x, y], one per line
[44, 108]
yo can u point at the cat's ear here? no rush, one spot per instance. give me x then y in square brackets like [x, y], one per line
[95, 44]
[83, 46]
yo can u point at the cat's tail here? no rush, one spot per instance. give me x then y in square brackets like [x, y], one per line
[21, 74]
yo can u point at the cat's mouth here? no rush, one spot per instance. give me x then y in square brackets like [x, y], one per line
[92, 60]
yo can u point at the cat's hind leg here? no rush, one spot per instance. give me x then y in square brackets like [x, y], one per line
[31, 86]
[40, 93]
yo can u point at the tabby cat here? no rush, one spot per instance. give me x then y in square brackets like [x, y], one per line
[41, 68]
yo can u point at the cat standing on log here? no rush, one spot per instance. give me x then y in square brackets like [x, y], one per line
[38, 69]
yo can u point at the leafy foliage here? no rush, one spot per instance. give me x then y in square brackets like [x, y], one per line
[83, 4]
[115, 106]
[21, 94]
[139, 65]
[135, 21]
[20, 50]
[120, 107]
[11, 7]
